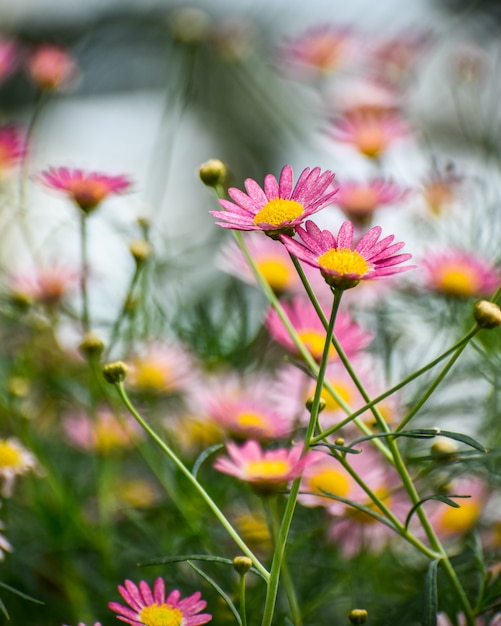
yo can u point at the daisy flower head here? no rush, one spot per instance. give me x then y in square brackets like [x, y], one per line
[86, 189]
[9, 55]
[281, 205]
[46, 285]
[162, 369]
[359, 200]
[15, 460]
[51, 67]
[371, 135]
[267, 471]
[311, 331]
[12, 147]
[343, 264]
[459, 274]
[152, 607]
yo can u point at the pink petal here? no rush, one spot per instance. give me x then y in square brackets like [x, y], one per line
[159, 591]
[345, 235]
[286, 182]
[255, 192]
[271, 188]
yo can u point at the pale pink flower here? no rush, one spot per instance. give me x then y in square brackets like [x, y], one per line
[86, 189]
[359, 200]
[5, 545]
[268, 471]
[443, 620]
[51, 67]
[361, 96]
[15, 460]
[459, 273]
[46, 285]
[246, 407]
[369, 134]
[321, 50]
[152, 606]
[440, 189]
[12, 147]
[161, 368]
[311, 331]
[103, 433]
[342, 265]
[9, 57]
[281, 205]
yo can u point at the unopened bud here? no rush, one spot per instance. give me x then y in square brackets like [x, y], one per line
[339, 441]
[91, 345]
[212, 172]
[242, 564]
[190, 25]
[18, 386]
[115, 372]
[443, 448]
[487, 314]
[321, 404]
[140, 250]
[358, 616]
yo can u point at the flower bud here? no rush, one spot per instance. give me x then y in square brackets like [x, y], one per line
[18, 386]
[115, 372]
[487, 314]
[339, 441]
[91, 345]
[321, 404]
[212, 172]
[443, 449]
[140, 250]
[242, 564]
[358, 616]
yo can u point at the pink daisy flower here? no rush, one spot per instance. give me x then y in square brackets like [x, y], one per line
[46, 285]
[50, 67]
[12, 147]
[267, 471]
[150, 607]
[311, 331]
[281, 205]
[342, 265]
[9, 54]
[320, 50]
[161, 368]
[360, 96]
[86, 189]
[359, 200]
[371, 135]
[443, 620]
[459, 274]
[440, 189]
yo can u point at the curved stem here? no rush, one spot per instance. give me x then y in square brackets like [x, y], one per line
[185, 471]
[84, 271]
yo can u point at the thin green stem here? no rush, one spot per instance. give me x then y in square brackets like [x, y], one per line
[283, 533]
[243, 608]
[84, 271]
[185, 471]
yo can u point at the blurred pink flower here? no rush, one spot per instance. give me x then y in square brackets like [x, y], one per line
[104, 433]
[281, 205]
[12, 147]
[443, 620]
[51, 67]
[267, 471]
[311, 331]
[86, 189]
[342, 265]
[369, 134]
[15, 460]
[5, 545]
[152, 607]
[459, 274]
[440, 189]
[320, 50]
[9, 57]
[359, 200]
[46, 285]
[161, 368]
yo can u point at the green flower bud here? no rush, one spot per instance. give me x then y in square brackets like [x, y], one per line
[91, 345]
[321, 404]
[358, 616]
[242, 564]
[212, 172]
[487, 314]
[115, 372]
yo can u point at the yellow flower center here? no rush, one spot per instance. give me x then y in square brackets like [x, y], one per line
[251, 420]
[458, 281]
[323, 52]
[343, 391]
[163, 615]
[329, 481]
[370, 140]
[88, 193]
[344, 261]
[364, 518]
[462, 519]
[10, 456]
[314, 342]
[109, 436]
[278, 211]
[149, 376]
[276, 273]
[268, 469]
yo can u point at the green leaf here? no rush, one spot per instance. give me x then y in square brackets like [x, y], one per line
[20, 593]
[425, 433]
[355, 505]
[430, 606]
[446, 499]
[194, 557]
[223, 595]
[205, 455]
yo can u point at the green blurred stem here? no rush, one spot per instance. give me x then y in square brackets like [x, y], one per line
[283, 532]
[84, 269]
[184, 470]
[243, 609]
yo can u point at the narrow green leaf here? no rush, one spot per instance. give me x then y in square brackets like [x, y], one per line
[20, 593]
[425, 433]
[205, 455]
[194, 557]
[3, 609]
[430, 605]
[223, 595]
[446, 499]
[355, 505]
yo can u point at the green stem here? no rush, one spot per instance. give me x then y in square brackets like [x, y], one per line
[243, 609]
[283, 533]
[185, 471]
[84, 270]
